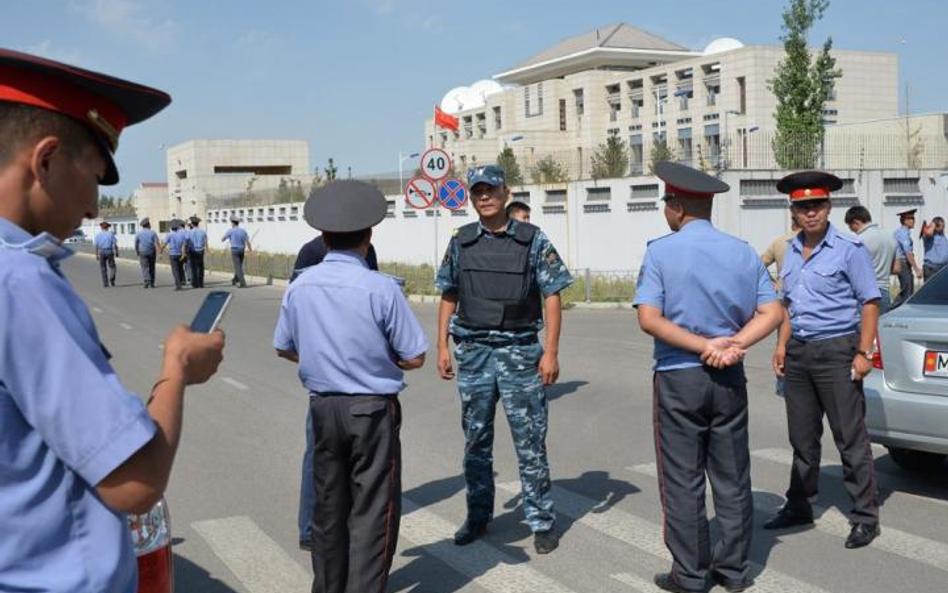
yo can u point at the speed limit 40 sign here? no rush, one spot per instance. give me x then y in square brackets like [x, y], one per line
[435, 164]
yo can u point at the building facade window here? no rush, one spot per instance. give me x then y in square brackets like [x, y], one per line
[498, 122]
[562, 115]
[684, 146]
[636, 154]
[533, 102]
[580, 101]
[712, 139]
[742, 93]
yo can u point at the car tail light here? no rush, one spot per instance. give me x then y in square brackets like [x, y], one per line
[151, 535]
[877, 356]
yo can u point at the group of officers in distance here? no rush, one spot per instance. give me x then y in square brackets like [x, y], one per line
[77, 451]
[185, 243]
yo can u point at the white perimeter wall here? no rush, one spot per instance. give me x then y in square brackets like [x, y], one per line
[615, 239]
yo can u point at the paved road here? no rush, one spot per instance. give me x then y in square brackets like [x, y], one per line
[233, 494]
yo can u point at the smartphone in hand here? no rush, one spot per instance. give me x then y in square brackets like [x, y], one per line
[211, 312]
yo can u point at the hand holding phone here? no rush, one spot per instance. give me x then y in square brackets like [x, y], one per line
[211, 312]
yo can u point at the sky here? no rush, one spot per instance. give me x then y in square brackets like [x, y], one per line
[357, 78]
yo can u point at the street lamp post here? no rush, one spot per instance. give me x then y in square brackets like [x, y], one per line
[726, 144]
[401, 159]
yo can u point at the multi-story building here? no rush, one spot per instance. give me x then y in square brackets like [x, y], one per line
[199, 170]
[566, 101]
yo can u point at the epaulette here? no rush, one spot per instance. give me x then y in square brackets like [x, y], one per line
[659, 238]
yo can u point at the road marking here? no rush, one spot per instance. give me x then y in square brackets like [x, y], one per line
[255, 559]
[647, 536]
[126, 326]
[832, 522]
[96, 309]
[481, 562]
[234, 383]
[785, 457]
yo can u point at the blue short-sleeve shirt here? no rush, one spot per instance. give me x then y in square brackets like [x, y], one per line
[704, 281]
[238, 238]
[903, 239]
[198, 240]
[145, 241]
[349, 326]
[105, 241]
[176, 242]
[66, 423]
[825, 294]
[548, 269]
[936, 249]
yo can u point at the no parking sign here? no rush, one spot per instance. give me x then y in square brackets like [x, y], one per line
[452, 194]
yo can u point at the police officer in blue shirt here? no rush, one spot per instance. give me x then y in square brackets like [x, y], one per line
[353, 334]
[146, 248]
[197, 243]
[177, 244]
[239, 245]
[936, 247]
[498, 281]
[905, 253]
[831, 311]
[706, 298]
[106, 250]
[77, 451]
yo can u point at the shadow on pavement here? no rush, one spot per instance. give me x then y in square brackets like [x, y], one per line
[558, 390]
[188, 576]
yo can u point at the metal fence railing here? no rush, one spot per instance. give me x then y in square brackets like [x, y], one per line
[589, 286]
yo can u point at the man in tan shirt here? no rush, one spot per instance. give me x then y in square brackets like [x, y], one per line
[776, 250]
[774, 255]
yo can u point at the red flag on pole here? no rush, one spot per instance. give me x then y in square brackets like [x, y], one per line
[445, 120]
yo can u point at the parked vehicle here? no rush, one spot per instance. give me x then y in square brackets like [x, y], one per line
[907, 393]
[151, 535]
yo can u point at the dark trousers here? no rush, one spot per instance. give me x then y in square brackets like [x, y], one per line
[906, 284]
[147, 262]
[700, 420]
[237, 258]
[196, 261]
[357, 469]
[819, 382]
[107, 267]
[177, 270]
[929, 270]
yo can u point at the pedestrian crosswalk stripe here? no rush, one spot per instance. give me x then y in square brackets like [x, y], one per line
[484, 564]
[637, 584]
[647, 536]
[253, 557]
[785, 457]
[832, 522]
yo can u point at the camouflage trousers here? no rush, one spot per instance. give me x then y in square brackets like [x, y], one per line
[509, 373]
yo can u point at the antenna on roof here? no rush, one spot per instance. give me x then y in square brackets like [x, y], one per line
[597, 34]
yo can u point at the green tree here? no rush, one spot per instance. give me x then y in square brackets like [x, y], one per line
[296, 192]
[802, 86]
[331, 170]
[611, 159]
[547, 170]
[508, 162]
[661, 151]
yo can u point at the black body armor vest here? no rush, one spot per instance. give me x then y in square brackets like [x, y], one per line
[495, 287]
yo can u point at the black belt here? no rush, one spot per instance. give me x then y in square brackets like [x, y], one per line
[340, 394]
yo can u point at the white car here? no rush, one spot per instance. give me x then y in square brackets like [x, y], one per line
[907, 393]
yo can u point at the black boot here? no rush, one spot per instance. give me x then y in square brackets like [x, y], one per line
[470, 531]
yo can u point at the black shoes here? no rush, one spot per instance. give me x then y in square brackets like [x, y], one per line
[545, 542]
[731, 586]
[862, 535]
[787, 517]
[470, 531]
[666, 582]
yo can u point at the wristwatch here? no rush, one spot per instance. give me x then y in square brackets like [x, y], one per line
[867, 355]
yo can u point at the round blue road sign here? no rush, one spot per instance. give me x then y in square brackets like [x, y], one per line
[452, 194]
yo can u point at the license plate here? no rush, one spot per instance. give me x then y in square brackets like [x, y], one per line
[936, 363]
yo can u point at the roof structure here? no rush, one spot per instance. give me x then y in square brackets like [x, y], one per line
[619, 45]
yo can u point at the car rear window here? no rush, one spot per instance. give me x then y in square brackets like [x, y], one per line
[934, 291]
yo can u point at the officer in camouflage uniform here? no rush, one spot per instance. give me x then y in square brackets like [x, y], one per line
[498, 278]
